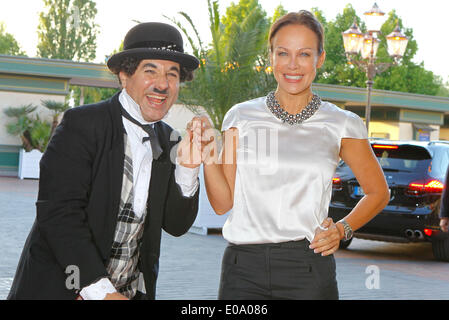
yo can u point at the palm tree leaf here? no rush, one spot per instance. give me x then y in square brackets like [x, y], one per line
[196, 50]
[17, 112]
[55, 106]
[228, 73]
[187, 17]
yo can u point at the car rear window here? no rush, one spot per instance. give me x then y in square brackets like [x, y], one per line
[402, 157]
[405, 158]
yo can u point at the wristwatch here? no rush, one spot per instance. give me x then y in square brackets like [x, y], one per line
[348, 230]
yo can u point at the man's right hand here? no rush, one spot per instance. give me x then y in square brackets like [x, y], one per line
[115, 296]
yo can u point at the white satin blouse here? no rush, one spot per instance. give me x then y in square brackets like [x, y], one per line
[284, 172]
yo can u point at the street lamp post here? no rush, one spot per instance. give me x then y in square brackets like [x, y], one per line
[366, 45]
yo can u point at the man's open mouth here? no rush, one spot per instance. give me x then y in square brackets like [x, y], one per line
[158, 100]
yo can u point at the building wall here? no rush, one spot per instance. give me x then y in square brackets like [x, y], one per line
[389, 130]
[405, 131]
[444, 133]
[435, 135]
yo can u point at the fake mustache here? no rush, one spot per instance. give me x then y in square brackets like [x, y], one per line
[164, 92]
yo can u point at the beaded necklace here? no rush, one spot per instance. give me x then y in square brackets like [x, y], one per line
[284, 116]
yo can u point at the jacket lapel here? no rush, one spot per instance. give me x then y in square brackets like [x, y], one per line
[116, 157]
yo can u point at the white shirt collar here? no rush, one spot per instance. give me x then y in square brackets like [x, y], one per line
[132, 107]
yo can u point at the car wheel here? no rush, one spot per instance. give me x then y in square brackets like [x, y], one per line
[345, 243]
[440, 249]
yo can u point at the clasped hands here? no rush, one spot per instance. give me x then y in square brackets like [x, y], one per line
[199, 144]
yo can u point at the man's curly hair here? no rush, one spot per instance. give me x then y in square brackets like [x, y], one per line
[129, 66]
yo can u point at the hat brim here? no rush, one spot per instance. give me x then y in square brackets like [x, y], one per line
[185, 60]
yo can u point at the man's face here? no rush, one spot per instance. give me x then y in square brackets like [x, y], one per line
[154, 87]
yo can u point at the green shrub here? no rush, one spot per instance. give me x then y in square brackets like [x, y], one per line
[34, 132]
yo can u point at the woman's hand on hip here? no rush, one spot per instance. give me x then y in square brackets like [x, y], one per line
[327, 238]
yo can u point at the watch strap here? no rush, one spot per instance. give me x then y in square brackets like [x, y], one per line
[348, 232]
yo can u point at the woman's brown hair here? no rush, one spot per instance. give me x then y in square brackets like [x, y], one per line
[303, 18]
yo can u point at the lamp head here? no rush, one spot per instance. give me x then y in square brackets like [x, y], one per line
[353, 39]
[374, 19]
[397, 43]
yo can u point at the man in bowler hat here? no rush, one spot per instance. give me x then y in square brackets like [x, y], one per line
[109, 184]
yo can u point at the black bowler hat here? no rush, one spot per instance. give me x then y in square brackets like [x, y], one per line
[154, 40]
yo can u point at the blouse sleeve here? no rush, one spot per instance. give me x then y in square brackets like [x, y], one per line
[354, 127]
[230, 120]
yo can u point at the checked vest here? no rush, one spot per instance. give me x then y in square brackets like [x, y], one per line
[124, 259]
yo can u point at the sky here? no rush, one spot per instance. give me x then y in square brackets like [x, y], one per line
[427, 19]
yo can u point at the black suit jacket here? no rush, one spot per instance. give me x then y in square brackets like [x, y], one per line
[79, 194]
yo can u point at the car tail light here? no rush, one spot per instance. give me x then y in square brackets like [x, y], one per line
[428, 232]
[384, 146]
[420, 188]
[336, 184]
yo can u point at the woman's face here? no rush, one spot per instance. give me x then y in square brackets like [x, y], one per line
[295, 58]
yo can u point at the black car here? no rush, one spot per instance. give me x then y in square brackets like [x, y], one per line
[415, 172]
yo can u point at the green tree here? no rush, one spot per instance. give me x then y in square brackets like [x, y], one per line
[279, 11]
[57, 108]
[34, 132]
[407, 76]
[231, 64]
[91, 94]
[336, 69]
[236, 15]
[21, 126]
[67, 30]
[8, 44]
[444, 88]
[40, 133]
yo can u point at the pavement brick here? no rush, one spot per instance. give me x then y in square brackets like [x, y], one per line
[190, 265]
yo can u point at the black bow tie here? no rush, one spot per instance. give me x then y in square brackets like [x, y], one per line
[148, 128]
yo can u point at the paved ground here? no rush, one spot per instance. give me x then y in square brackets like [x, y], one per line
[190, 265]
[403, 273]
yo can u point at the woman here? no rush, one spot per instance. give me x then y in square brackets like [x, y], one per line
[275, 171]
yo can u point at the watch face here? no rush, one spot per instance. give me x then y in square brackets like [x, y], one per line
[349, 234]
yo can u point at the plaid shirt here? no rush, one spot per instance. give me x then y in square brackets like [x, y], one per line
[123, 263]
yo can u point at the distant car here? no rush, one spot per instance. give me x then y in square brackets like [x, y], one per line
[415, 172]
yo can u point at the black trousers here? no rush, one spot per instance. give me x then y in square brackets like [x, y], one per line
[288, 270]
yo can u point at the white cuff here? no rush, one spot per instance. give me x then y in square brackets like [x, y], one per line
[187, 179]
[97, 290]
